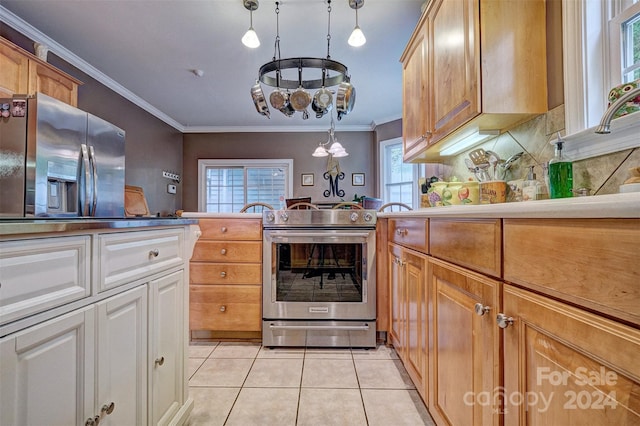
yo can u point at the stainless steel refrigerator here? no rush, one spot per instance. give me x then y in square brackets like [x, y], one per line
[58, 161]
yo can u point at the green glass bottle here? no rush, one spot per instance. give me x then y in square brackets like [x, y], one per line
[560, 174]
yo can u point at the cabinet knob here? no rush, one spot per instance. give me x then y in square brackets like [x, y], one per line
[107, 409]
[160, 361]
[481, 309]
[223, 274]
[92, 421]
[223, 308]
[504, 321]
[401, 231]
[154, 253]
[223, 251]
[223, 229]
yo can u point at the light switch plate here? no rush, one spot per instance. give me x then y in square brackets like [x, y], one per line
[171, 189]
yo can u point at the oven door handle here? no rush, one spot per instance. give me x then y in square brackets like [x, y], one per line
[318, 234]
[319, 327]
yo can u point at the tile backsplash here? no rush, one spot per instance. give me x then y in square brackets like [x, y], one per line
[602, 175]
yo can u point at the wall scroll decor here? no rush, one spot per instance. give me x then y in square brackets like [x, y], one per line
[307, 179]
[333, 175]
[357, 179]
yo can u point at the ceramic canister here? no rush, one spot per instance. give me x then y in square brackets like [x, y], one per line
[493, 192]
[437, 194]
[464, 192]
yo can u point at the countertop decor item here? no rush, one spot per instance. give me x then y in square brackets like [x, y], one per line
[292, 74]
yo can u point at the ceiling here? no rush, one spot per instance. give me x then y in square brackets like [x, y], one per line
[147, 50]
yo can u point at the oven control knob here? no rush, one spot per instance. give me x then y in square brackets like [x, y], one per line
[354, 217]
[270, 217]
[367, 217]
[284, 217]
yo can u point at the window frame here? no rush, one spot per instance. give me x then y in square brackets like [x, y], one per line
[589, 75]
[417, 170]
[203, 164]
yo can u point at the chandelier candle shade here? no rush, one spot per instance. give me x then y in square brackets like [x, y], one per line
[250, 38]
[292, 79]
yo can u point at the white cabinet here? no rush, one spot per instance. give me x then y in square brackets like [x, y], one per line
[47, 372]
[115, 355]
[42, 273]
[166, 354]
[121, 361]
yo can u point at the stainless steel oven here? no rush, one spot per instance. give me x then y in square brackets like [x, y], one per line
[319, 278]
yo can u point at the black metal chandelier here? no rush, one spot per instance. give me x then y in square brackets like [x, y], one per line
[291, 94]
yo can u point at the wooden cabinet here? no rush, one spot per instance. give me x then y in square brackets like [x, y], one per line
[465, 351]
[407, 269]
[24, 73]
[569, 365]
[226, 277]
[483, 67]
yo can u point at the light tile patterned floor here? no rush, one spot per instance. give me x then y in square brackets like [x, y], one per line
[249, 385]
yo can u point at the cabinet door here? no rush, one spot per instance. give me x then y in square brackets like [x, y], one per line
[166, 354]
[571, 366]
[122, 358]
[52, 83]
[454, 37]
[46, 372]
[398, 314]
[415, 277]
[14, 77]
[415, 118]
[466, 346]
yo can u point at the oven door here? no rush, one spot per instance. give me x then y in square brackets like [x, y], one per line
[319, 274]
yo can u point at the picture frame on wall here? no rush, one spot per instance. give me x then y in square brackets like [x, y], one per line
[307, 179]
[357, 179]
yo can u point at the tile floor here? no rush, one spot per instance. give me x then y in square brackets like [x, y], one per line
[247, 384]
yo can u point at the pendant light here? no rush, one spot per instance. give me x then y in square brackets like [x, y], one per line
[250, 38]
[335, 149]
[357, 38]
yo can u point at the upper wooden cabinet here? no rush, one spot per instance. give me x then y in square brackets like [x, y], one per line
[472, 65]
[24, 73]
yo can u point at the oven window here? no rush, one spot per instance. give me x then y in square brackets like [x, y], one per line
[319, 272]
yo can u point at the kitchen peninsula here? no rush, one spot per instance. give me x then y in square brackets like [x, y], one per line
[93, 320]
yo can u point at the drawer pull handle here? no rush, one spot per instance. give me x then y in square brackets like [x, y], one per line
[154, 253]
[223, 229]
[481, 309]
[504, 321]
[223, 274]
[223, 251]
[92, 421]
[160, 361]
[223, 308]
[401, 231]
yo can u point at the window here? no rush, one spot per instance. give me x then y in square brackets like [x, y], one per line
[225, 186]
[398, 181]
[627, 25]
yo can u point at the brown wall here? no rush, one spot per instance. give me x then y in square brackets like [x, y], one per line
[296, 146]
[151, 145]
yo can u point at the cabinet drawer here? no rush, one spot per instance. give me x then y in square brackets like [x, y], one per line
[411, 233]
[473, 243]
[225, 308]
[589, 262]
[125, 257]
[41, 274]
[231, 229]
[228, 251]
[225, 273]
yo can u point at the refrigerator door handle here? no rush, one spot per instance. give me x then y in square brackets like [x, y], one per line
[84, 188]
[94, 169]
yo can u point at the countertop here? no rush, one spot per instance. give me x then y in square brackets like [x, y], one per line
[625, 205]
[17, 226]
